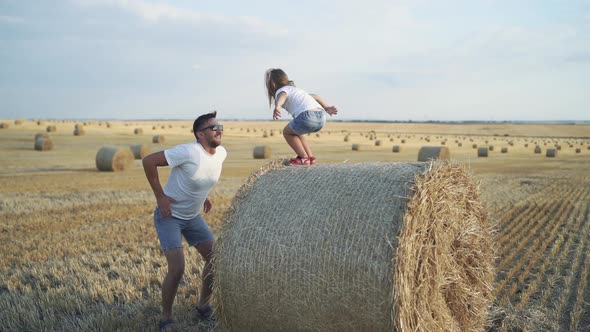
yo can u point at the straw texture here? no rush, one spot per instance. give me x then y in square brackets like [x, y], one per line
[427, 153]
[345, 247]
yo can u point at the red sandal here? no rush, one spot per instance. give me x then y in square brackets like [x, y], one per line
[299, 161]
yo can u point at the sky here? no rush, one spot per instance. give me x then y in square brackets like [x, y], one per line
[401, 60]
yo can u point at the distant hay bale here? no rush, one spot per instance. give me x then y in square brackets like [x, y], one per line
[459, 144]
[18, 122]
[43, 144]
[140, 150]
[51, 128]
[578, 150]
[378, 143]
[474, 146]
[537, 149]
[138, 131]
[4, 125]
[395, 148]
[504, 150]
[427, 153]
[153, 127]
[491, 148]
[346, 138]
[41, 135]
[482, 152]
[356, 147]
[79, 131]
[261, 152]
[403, 141]
[279, 268]
[114, 159]
[158, 139]
[265, 134]
[551, 153]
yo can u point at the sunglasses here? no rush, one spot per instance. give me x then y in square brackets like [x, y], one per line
[217, 127]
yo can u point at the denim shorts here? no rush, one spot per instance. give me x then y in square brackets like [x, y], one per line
[170, 231]
[308, 122]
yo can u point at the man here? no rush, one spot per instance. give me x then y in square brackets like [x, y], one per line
[196, 168]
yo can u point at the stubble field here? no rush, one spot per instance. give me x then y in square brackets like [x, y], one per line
[79, 250]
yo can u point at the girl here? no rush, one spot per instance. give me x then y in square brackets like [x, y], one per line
[306, 109]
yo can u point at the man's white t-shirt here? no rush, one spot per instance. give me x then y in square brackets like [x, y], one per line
[194, 173]
[298, 101]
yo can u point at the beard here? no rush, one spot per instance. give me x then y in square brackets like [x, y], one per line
[213, 141]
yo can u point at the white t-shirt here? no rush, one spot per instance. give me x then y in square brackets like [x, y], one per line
[298, 101]
[194, 173]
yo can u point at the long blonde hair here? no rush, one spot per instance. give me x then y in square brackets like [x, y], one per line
[274, 79]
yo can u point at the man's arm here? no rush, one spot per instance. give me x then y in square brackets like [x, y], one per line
[150, 166]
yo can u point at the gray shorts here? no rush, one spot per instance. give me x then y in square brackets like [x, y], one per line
[170, 231]
[308, 122]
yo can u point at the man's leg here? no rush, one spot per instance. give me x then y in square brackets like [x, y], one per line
[206, 251]
[175, 259]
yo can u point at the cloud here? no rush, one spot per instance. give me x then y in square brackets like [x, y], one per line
[161, 12]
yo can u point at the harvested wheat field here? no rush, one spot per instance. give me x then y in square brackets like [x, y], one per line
[80, 251]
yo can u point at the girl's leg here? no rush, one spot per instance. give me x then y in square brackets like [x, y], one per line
[294, 141]
[306, 146]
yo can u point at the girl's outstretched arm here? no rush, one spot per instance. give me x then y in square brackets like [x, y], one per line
[279, 102]
[330, 109]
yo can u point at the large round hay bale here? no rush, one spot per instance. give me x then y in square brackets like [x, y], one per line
[138, 131]
[378, 142]
[158, 139]
[18, 122]
[4, 125]
[504, 150]
[395, 148]
[551, 153]
[140, 150]
[397, 261]
[578, 150]
[356, 147]
[482, 151]
[113, 159]
[261, 152]
[51, 128]
[346, 138]
[43, 144]
[427, 153]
